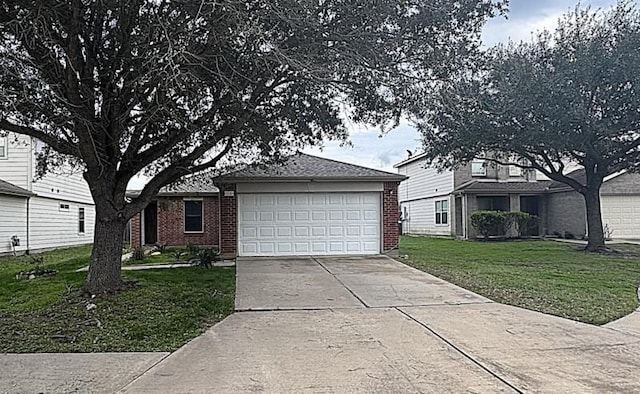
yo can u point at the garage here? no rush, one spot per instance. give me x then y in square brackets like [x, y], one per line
[309, 224]
[621, 214]
[308, 205]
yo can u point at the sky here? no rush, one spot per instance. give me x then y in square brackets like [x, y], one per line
[368, 148]
[524, 18]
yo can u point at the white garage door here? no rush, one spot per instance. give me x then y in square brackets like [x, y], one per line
[308, 224]
[622, 215]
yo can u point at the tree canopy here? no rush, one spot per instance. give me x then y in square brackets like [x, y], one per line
[571, 96]
[170, 88]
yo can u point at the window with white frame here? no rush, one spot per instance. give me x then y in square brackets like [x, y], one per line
[3, 147]
[193, 216]
[515, 170]
[478, 168]
[442, 212]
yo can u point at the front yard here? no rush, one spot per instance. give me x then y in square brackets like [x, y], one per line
[545, 276]
[162, 311]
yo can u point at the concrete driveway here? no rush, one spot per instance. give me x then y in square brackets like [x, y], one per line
[372, 324]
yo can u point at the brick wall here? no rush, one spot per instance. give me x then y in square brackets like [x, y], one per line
[622, 184]
[228, 221]
[171, 222]
[136, 231]
[566, 212]
[390, 216]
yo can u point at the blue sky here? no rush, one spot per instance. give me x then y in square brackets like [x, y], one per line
[524, 18]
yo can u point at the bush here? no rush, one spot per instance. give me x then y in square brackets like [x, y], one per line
[489, 223]
[522, 222]
[497, 223]
[138, 254]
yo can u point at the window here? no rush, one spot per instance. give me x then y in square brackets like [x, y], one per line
[442, 212]
[478, 168]
[515, 170]
[3, 147]
[193, 216]
[493, 203]
[81, 220]
[64, 207]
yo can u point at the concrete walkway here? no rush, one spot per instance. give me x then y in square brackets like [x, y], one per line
[72, 372]
[143, 267]
[375, 325]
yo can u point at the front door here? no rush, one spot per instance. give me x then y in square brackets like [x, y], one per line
[531, 205]
[151, 223]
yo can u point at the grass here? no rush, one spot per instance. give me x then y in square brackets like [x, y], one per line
[161, 312]
[163, 258]
[545, 276]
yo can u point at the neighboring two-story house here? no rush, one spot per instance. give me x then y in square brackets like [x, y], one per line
[52, 212]
[434, 202]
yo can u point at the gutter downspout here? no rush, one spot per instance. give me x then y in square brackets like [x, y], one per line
[28, 227]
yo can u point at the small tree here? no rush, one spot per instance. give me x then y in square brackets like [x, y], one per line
[568, 96]
[170, 88]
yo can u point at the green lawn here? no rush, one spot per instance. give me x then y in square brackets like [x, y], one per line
[545, 276]
[162, 311]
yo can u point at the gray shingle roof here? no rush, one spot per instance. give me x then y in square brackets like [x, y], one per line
[505, 187]
[197, 186]
[302, 166]
[10, 189]
[579, 175]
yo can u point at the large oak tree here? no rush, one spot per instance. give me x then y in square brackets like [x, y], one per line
[571, 96]
[174, 87]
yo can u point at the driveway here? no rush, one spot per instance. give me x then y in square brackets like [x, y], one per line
[356, 324]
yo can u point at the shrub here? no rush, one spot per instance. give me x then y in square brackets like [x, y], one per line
[489, 223]
[569, 235]
[138, 254]
[497, 223]
[522, 222]
[208, 256]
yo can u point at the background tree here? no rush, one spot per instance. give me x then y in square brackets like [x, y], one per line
[572, 96]
[170, 88]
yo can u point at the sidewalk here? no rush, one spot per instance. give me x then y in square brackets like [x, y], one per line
[72, 372]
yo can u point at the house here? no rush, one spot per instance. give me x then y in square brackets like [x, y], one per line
[182, 215]
[619, 201]
[52, 212]
[306, 205]
[435, 202]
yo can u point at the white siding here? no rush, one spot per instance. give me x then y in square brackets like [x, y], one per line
[16, 167]
[309, 187]
[68, 186]
[51, 227]
[423, 182]
[419, 217]
[13, 214]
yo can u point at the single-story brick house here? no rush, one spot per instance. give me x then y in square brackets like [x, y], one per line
[307, 205]
[179, 216]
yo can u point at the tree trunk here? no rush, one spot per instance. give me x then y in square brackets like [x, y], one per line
[594, 220]
[104, 270]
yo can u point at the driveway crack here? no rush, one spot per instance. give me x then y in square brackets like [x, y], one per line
[341, 282]
[462, 352]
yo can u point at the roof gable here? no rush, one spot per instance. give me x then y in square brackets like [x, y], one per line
[303, 167]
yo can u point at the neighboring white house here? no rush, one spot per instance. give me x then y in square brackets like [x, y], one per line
[52, 212]
[425, 198]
